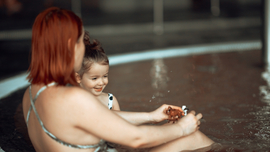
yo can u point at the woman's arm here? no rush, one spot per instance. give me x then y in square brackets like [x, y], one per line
[138, 118]
[96, 119]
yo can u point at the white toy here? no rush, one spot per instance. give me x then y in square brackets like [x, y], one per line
[185, 109]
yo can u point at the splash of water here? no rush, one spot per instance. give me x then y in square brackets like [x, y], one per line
[261, 123]
[265, 89]
[159, 77]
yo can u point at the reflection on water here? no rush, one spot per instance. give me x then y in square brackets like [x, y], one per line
[265, 90]
[259, 127]
[159, 77]
[255, 133]
[248, 127]
[245, 126]
[261, 123]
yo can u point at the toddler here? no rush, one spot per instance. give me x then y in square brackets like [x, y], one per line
[93, 75]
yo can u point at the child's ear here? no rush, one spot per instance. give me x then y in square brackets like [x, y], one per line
[78, 77]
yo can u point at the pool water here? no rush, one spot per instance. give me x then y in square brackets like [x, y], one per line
[229, 89]
[226, 88]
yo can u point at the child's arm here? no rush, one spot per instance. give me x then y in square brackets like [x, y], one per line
[116, 105]
[138, 118]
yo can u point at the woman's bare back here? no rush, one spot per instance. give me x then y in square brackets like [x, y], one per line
[53, 106]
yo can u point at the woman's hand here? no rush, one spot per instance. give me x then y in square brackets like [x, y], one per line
[190, 123]
[160, 114]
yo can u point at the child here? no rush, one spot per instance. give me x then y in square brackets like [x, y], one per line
[93, 76]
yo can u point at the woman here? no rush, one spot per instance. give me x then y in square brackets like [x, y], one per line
[61, 118]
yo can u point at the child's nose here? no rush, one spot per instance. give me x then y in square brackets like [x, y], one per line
[101, 82]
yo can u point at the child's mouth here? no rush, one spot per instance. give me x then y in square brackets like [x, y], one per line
[98, 90]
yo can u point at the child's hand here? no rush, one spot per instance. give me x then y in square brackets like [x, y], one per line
[160, 114]
[190, 123]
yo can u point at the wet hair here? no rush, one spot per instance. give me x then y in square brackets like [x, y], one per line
[94, 53]
[52, 54]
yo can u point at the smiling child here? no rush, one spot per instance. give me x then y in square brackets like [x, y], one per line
[93, 75]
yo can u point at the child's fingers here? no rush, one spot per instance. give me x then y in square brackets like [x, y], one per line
[176, 107]
[173, 107]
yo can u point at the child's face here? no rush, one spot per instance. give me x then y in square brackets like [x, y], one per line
[95, 79]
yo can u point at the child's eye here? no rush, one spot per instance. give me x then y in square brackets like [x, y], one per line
[105, 76]
[94, 78]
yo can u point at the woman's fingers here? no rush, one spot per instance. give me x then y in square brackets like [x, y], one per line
[199, 116]
[192, 112]
[198, 122]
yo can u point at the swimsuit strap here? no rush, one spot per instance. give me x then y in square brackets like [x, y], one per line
[110, 104]
[35, 98]
[100, 146]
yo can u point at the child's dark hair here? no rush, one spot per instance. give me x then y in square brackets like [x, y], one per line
[94, 53]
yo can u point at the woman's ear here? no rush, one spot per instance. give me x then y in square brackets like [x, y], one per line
[78, 77]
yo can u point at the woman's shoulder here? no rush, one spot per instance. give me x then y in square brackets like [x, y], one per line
[77, 93]
[76, 97]
[104, 94]
[103, 97]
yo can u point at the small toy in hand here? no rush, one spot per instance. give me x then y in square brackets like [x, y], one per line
[174, 114]
[185, 109]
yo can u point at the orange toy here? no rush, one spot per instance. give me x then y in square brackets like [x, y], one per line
[174, 114]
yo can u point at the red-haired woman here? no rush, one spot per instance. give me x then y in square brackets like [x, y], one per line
[61, 118]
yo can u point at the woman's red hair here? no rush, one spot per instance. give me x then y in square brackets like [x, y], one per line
[52, 57]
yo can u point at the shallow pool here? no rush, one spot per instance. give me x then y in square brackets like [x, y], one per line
[229, 89]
